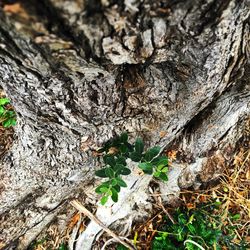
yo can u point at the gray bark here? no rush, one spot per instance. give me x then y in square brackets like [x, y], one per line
[98, 68]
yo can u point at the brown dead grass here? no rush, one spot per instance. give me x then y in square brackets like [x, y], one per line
[232, 190]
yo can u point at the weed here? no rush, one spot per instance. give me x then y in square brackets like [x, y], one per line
[7, 117]
[115, 152]
[199, 228]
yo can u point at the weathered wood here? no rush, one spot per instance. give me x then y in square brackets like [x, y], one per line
[97, 68]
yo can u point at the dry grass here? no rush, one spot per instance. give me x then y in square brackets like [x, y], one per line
[232, 190]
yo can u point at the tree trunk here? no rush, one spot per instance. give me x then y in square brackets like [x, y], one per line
[79, 72]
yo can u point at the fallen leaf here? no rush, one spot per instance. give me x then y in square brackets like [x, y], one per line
[190, 205]
[172, 155]
[74, 220]
[163, 133]
[12, 8]
[112, 151]
[203, 198]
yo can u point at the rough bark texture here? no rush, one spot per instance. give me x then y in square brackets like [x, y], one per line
[174, 72]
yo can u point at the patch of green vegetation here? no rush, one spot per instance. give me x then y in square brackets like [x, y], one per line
[197, 229]
[63, 246]
[121, 247]
[115, 152]
[44, 242]
[36, 243]
[7, 117]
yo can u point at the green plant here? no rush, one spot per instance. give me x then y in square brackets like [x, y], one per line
[121, 247]
[198, 228]
[62, 246]
[115, 152]
[7, 117]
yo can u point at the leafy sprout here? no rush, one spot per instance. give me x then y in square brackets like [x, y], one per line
[116, 152]
[195, 229]
[7, 117]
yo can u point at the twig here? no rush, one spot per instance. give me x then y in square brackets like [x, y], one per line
[85, 211]
[165, 211]
[110, 241]
[194, 243]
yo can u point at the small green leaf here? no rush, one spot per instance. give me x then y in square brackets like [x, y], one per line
[99, 188]
[118, 168]
[163, 176]
[236, 217]
[4, 101]
[152, 152]
[121, 160]
[182, 219]
[117, 188]
[109, 192]
[123, 149]
[62, 246]
[121, 182]
[160, 167]
[109, 172]
[104, 190]
[124, 171]
[124, 137]
[9, 122]
[114, 195]
[121, 247]
[139, 146]
[147, 167]
[2, 110]
[164, 170]
[101, 173]
[109, 160]
[191, 228]
[157, 174]
[116, 142]
[134, 156]
[113, 182]
[104, 200]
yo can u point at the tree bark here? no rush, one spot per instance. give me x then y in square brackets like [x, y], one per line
[174, 72]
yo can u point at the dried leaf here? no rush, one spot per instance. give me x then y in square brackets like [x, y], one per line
[74, 220]
[172, 155]
[12, 8]
[163, 133]
[113, 150]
